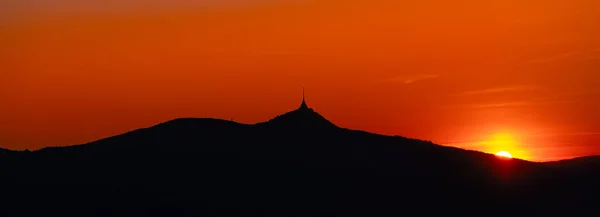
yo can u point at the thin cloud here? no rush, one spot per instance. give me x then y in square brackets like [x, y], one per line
[500, 90]
[567, 95]
[593, 57]
[563, 98]
[555, 58]
[509, 104]
[566, 134]
[409, 79]
[491, 105]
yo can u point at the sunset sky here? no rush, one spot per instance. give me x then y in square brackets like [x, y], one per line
[513, 75]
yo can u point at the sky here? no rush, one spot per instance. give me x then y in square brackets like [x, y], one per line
[519, 76]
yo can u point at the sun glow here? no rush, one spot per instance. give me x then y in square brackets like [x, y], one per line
[505, 145]
[504, 154]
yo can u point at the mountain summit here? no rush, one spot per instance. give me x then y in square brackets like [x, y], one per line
[301, 118]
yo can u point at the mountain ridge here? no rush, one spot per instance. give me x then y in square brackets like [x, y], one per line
[291, 119]
[296, 164]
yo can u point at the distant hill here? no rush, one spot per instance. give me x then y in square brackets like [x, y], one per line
[297, 164]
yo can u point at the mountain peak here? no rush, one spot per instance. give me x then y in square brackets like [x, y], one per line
[303, 117]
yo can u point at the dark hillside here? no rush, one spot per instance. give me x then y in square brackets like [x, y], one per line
[297, 164]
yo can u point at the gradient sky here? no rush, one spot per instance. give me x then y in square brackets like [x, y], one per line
[520, 76]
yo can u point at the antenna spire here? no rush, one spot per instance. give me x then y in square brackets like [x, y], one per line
[303, 105]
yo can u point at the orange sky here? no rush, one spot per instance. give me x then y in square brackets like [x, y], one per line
[521, 76]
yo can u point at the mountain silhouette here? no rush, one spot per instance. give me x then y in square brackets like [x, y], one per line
[303, 118]
[296, 164]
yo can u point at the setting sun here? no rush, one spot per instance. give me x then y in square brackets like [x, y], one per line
[504, 154]
[507, 143]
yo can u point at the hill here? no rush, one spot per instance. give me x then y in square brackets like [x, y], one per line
[297, 164]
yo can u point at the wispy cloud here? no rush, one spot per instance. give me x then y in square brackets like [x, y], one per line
[569, 95]
[409, 79]
[593, 57]
[555, 57]
[489, 105]
[586, 54]
[566, 134]
[501, 90]
[560, 98]
[509, 104]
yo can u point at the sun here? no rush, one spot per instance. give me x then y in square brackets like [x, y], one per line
[504, 154]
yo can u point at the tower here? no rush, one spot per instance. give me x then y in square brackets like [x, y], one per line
[303, 106]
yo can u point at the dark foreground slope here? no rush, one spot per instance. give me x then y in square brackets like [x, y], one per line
[298, 164]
